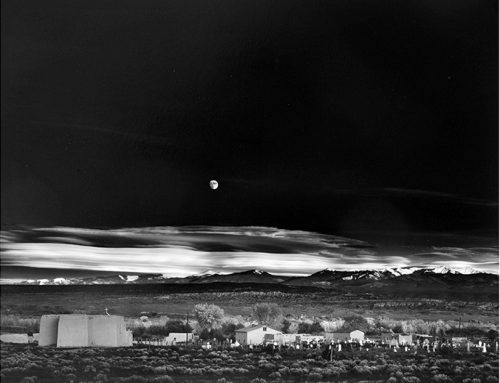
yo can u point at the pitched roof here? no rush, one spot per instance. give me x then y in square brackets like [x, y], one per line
[339, 334]
[251, 328]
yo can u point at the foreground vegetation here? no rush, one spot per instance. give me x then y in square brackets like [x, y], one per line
[172, 364]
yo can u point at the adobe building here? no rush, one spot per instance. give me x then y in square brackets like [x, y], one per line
[405, 339]
[353, 336]
[77, 330]
[179, 337]
[253, 335]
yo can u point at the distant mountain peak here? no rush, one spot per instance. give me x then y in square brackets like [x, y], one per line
[128, 278]
[261, 276]
[253, 272]
[452, 270]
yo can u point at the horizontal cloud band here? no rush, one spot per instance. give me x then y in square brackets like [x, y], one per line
[183, 251]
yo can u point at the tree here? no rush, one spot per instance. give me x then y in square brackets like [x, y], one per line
[493, 335]
[229, 330]
[267, 313]
[176, 325]
[310, 328]
[316, 328]
[285, 328]
[398, 329]
[211, 334]
[354, 323]
[208, 316]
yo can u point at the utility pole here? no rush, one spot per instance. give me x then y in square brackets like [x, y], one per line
[187, 326]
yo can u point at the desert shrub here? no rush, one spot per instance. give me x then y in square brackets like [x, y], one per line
[314, 377]
[491, 379]
[362, 370]
[284, 370]
[410, 379]
[258, 380]
[102, 377]
[299, 371]
[22, 325]
[132, 379]
[29, 379]
[275, 375]
[441, 378]
[162, 379]
[392, 379]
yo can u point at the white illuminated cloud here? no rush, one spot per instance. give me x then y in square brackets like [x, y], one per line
[184, 251]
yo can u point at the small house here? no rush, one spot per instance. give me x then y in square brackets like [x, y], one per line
[405, 339]
[459, 340]
[353, 336]
[357, 336]
[387, 337]
[254, 335]
[179, 337]
[287, 339]
[338, 336]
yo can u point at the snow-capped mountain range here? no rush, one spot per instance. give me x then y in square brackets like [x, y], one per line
[259, 276]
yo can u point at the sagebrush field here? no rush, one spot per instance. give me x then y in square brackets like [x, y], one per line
[173, 364]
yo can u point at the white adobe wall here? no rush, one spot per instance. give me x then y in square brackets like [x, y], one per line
[179, 337]
[357, 335]
[257, 336]
[73, 331]
[76, 330]
[103, 331]
[48, 330]
[124, 336]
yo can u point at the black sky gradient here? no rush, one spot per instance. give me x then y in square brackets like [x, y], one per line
[338, 116]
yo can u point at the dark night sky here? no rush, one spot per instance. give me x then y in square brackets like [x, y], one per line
[336, 116]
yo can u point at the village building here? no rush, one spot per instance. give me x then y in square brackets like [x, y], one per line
[357, 336]
[77, 330]
[459, 340]
[405, 339]
[387, 337]
[353, 336]
[307, 338]
[284, 339]
[288, 339]
[179, 337]
[254, 335]
[421, 338]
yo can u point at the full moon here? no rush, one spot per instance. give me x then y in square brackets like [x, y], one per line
[214, 184]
